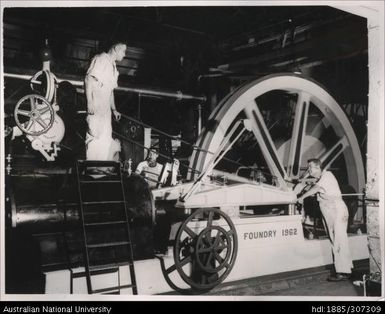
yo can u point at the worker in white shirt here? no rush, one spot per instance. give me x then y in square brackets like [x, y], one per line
[150, 169]
[100, 81]
[335, 214]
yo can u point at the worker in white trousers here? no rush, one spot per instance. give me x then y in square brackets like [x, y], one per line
[100, 81]
[336, 216]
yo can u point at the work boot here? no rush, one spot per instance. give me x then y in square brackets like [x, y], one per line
[338, 277]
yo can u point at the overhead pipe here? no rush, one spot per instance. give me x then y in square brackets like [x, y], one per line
[144, 91]
[141, 91]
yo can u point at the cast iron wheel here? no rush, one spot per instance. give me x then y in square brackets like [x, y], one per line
[205, 254]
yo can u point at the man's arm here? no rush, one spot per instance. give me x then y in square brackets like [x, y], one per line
[313, 190]
[139, 168]
[113, 108]
[90, 85]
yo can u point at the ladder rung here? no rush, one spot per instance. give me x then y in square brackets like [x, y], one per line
[112, 288]
[55, 264]
[98, 163]
[93, 246]
[108, 266]
[102, 202]
[103, 270]
[117, 222]
[114, 292]
[101, 181]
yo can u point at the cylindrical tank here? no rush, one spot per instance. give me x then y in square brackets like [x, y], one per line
[43, 202]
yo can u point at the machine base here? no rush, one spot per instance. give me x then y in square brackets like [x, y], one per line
[267, 245]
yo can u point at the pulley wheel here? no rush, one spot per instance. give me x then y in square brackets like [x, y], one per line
[204, 255]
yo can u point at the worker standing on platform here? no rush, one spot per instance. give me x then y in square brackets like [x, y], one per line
[336, 216]
[100, 81]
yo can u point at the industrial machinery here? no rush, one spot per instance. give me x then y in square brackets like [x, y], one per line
[222, 222]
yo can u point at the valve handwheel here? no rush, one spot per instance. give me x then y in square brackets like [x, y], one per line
[34, 115]
[43, 82]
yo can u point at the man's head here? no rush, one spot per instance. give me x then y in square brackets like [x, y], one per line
[315, 167]
[152, 155]
[119, 50]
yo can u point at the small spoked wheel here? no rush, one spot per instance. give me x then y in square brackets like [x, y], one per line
[34, 115]
[205, 249]
[43, 83]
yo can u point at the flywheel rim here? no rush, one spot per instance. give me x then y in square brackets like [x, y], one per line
[224, 114]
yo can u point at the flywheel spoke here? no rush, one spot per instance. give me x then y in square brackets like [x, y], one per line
[171, 269]
[222, 247]
[209, 259]
[217, 239]
[180, 265]
[298, 135]
[23, 112]
[210, 219]
[190, 232]
[332, 154]
[263, 137]
[204, 250]
[230, 233]
[219, 258]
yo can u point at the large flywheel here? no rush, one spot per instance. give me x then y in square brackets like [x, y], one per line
[311, 124]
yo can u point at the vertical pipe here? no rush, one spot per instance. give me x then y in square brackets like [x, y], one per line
[199, 118]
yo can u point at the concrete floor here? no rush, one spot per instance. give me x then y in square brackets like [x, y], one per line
[324, 288]
[306, 282]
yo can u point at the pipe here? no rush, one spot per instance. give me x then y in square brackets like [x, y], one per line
[145, 91]
[38, 216]
[199, 118]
